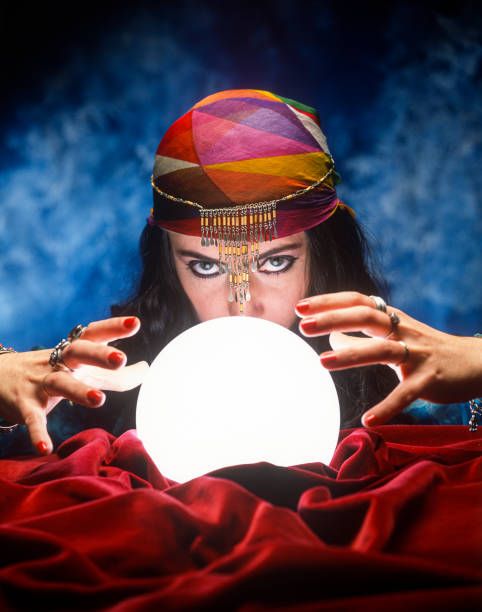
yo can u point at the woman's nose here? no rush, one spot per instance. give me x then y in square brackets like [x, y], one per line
[253, 308]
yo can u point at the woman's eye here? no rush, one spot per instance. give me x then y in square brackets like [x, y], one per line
[280, 263]
[203, 268]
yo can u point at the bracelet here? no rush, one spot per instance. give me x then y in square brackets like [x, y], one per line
[7, 428]
[6, 349]
[475, 406]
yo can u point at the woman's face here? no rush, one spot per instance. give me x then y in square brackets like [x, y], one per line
[280, 282]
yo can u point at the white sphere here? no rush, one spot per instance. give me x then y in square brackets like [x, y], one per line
[236, 390]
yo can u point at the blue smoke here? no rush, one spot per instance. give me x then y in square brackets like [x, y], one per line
[76, 160]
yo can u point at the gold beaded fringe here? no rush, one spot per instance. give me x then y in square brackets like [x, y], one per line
[237, 233]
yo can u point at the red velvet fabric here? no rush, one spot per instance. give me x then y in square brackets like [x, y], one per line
[393, 522]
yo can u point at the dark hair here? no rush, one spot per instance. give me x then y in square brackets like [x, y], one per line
[339, 259]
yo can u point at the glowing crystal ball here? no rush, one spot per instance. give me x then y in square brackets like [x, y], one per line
[236, 390]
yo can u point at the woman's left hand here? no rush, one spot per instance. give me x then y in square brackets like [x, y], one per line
[430, 364]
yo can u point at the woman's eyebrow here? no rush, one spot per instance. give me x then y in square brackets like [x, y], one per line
[280, 249]
[270, 253]
[196, 255]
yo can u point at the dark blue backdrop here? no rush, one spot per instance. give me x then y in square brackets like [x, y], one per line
[86, 100]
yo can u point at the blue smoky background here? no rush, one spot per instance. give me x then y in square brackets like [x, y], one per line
[87, 95]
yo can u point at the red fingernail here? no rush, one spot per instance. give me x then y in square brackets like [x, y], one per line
[115, 359]
[130, 322]
[42, 447]
[369, 420]
[303, 307]
[94, 396]
[328, 358]
[308, 325]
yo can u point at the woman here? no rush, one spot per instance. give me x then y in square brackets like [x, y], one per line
[250, 173]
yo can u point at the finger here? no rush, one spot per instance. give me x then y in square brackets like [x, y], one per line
[83, 352]
[120, 380]
[63, 384]
[332, 301]
[111, 329]
[364, 319]
[36, 421]
[403, 395]
[338, 340]
[363, 352]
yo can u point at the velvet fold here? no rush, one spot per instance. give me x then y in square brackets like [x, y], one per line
[393, 521]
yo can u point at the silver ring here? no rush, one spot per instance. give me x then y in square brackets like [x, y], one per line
[76, 332]
[406, 353]
[379, 302]
[55, 359]
[394, 323]
[394, 320]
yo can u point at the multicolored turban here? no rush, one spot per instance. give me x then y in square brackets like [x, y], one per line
[240, 167]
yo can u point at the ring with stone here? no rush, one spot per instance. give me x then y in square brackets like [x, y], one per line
[394, 321]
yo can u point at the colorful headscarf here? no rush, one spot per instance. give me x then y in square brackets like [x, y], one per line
[240, 167]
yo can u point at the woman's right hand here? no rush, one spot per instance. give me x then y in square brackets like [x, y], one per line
[30, 388]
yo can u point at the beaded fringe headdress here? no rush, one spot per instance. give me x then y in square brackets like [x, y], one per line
[242, 167]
